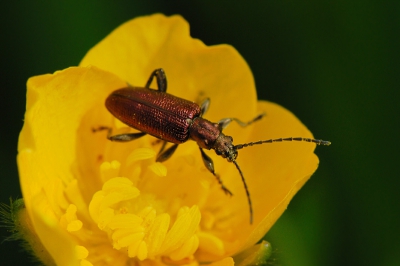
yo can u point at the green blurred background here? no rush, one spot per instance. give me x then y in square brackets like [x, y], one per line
[334, 64]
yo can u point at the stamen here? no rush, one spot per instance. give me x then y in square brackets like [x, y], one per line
[133, 249]
[207, 220]
[105, 217]
[70, 220]
[184, 227]
[210, 243]
[121, 233]
[142, 251]
[81, 252]
[148, 215]
[140, 154]
[157, 233]
[144, 233]
[187, 249]
[70, 214]
[130, 239]
[74, 226]
[158, 168]
[125, 221]
[109, 170]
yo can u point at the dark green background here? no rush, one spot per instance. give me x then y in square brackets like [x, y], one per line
[335, 65]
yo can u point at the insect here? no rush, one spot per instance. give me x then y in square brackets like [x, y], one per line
[176, 120]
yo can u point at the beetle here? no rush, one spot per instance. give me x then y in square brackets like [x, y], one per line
[176, 120]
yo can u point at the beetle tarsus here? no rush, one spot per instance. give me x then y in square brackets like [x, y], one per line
[210, 166]
[224, 188]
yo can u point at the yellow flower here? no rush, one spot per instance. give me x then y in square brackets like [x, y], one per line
[96, 202]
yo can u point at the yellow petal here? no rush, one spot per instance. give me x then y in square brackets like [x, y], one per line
[277, 172]
[55, 107]
[44, 221]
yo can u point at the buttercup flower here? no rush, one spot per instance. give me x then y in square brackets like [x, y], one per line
[96, 202]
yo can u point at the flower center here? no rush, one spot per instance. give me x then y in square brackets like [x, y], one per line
[136, 223]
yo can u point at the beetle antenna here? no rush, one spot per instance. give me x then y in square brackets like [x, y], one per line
[247, 191]
[317, 141]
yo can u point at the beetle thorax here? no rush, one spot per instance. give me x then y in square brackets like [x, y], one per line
[204, 132]
[209, 136]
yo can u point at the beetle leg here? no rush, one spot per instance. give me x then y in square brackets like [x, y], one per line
[204, 106]
[162, 148]
[126, 137]
[101, 128]
[161, 80]
[223, 123]
[210, 166]
[120, 137]
[165, 155]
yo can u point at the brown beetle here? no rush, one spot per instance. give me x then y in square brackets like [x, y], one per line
[176, 120]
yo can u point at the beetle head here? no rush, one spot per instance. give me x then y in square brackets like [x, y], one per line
[224, 147]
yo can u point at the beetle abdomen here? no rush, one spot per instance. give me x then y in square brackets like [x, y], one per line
[159, 114]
